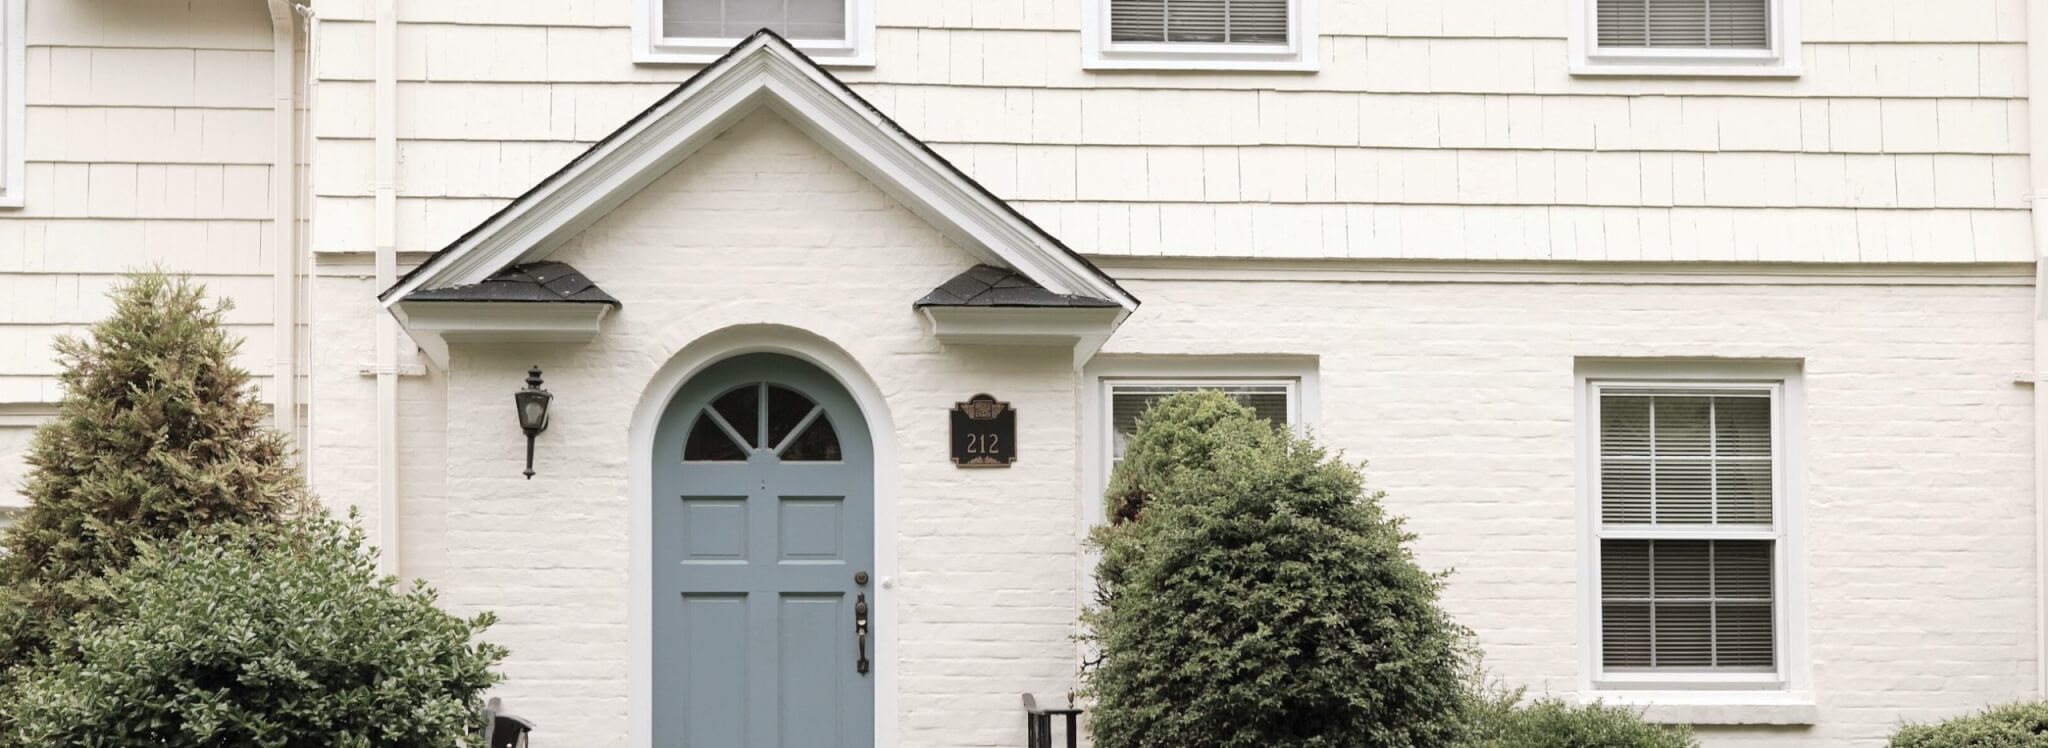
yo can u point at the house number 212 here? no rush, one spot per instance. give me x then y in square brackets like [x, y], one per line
[984, 433]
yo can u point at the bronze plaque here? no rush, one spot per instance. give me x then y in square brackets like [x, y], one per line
[984, 433]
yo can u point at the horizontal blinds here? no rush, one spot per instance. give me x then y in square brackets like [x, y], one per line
[1681, 24]
[732, 19]
[1702, 604]
[1128, 402]
[1685, 459]
[1199, 21]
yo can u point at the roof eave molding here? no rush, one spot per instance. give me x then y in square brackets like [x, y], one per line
[763, 70]
[436, 324]
[1085, 330]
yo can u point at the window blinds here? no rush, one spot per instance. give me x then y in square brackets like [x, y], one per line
[732, 19]
[1683, 461]
[1129, 401]
[1199, 21]
[1681, 24]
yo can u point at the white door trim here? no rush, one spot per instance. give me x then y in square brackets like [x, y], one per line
[686, 363]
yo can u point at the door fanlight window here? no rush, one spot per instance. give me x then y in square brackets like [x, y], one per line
[762, 417]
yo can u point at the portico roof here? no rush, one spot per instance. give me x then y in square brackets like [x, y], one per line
[763, 70]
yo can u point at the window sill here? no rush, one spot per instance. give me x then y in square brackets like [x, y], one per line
[832, 58]
[1680, 70]
[1219, 63]
[1715, 707]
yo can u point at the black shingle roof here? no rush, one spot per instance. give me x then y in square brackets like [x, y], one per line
[987, 285]
[534, 282]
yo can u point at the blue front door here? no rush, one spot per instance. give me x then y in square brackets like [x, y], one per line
[763, 552]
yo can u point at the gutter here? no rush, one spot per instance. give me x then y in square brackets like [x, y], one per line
[385, 188]
[284, 219]
[2037, 170]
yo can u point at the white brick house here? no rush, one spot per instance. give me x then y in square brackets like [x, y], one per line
[1751, 294]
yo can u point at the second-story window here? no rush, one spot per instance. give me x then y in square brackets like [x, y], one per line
[1685, 37]
[695, 31]
[1199, 34]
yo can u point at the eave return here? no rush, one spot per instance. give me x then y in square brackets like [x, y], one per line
[988, 305]
[547, 302]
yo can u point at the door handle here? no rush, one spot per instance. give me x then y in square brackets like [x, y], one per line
[860, 631]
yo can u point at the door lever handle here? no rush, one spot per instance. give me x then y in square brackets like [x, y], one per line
[860, 631]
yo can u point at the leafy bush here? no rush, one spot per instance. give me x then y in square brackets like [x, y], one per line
[1501, 721]
[260, 639]
[157, 434]
[1253, 593]
[2022, 725]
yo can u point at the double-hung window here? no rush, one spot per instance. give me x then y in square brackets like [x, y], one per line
[1198, 34]
[1685, 37]
[1689, 520]
[696, 31]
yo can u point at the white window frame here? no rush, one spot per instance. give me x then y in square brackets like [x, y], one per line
[649, 46]
[1099, 52]
[1780, 61]
[13, 100]
[1781, 697]
[1104, 373]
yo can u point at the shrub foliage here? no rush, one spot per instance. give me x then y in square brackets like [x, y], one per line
[158, 433]
[2022, 725]
[1501, 721]
[279, 640]
[1253, 593]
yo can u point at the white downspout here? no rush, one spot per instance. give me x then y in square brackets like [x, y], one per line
[386, 190]
[2037, 170]
[284, 218]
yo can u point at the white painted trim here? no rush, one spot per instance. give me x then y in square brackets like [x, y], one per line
[1725, 693]
[649, 47]
[763, 72]
[1299, 54]
[26, 415]
[436, 324]
[1782, 60]
[661, 388]
[1083, 329]
[14, 99]
[1358, 270]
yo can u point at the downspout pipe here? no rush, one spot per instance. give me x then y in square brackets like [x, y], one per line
[385, 190]
[284, 218]
[2037, 172]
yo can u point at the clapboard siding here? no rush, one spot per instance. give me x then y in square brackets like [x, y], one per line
[1441, 129]
[149, 145]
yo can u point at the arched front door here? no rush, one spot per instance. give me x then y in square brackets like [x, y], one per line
[763, 552]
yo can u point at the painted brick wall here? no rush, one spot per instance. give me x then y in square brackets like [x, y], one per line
[764, 227]
[1917, 461]
[1439, 129]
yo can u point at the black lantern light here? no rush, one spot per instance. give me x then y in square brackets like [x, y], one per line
[533, 413]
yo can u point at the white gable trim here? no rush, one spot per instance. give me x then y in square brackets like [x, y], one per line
[762, 71]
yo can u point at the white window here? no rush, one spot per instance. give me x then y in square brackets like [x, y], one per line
[1198, 34]
[1685, 37]
[1692, 575]
[833, 32]
[1273, 400]
[13, 109]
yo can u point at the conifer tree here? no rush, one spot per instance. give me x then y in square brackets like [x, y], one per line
[158, 434]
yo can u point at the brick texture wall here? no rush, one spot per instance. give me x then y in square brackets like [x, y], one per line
[1917, 462]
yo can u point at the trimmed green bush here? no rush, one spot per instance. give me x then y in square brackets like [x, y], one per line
[157, 434]
[1253, 594]
[2022, 725]
[280, 640]
[1501, 721]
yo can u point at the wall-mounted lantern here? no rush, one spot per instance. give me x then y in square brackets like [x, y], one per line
[533, 413]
